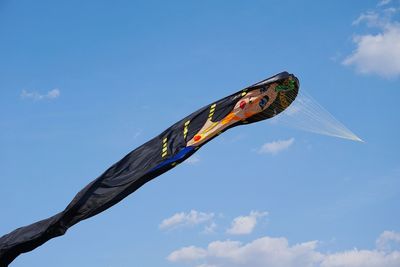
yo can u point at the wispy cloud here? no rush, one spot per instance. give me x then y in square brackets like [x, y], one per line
[243, 225]
[384, 2]
[277, 252]
[276, 146]
[193, 160]
[377, 53]
[386, 239]
[186, 219]
[52, 94]
[137, 133]
[210, 229]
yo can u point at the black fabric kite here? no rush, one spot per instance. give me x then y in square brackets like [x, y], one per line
[257, 102]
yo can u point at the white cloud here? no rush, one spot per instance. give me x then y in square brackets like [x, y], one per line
[245, 224]
[362, 258]
[192, 160]
[386, 238]
[209, 229]
[52, 94]
[186, 219]
[384, 2]
[187, 254]
[277, 252]
[372, 19]
[377, 53]
[276, 146]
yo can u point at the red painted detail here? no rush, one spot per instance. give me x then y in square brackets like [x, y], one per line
[242, 104]
[197, 138]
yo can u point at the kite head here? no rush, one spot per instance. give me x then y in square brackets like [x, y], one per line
[258, 102]
[266, 99]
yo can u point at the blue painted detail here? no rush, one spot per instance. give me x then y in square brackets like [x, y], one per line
[263, 102]
[178, 156]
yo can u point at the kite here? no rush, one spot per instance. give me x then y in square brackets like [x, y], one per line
[257, 102]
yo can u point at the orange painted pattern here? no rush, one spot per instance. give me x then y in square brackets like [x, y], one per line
[230, 117]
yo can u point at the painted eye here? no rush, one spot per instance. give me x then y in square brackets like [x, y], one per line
[263, 102]
[242, 104]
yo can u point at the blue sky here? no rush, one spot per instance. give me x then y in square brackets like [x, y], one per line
[84, 83]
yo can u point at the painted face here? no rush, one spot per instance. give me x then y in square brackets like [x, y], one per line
[255, 102]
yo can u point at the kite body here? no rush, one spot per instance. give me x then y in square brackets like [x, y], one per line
[258, 102]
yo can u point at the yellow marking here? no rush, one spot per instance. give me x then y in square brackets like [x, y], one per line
[244, 93]
[211, 127]
[212, 109]
[164, 150]
[173, 163]
[185, 129]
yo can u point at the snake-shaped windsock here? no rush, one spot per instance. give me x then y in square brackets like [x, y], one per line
[257, 102]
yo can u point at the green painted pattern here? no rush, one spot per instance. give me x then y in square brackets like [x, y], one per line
[287, 86]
